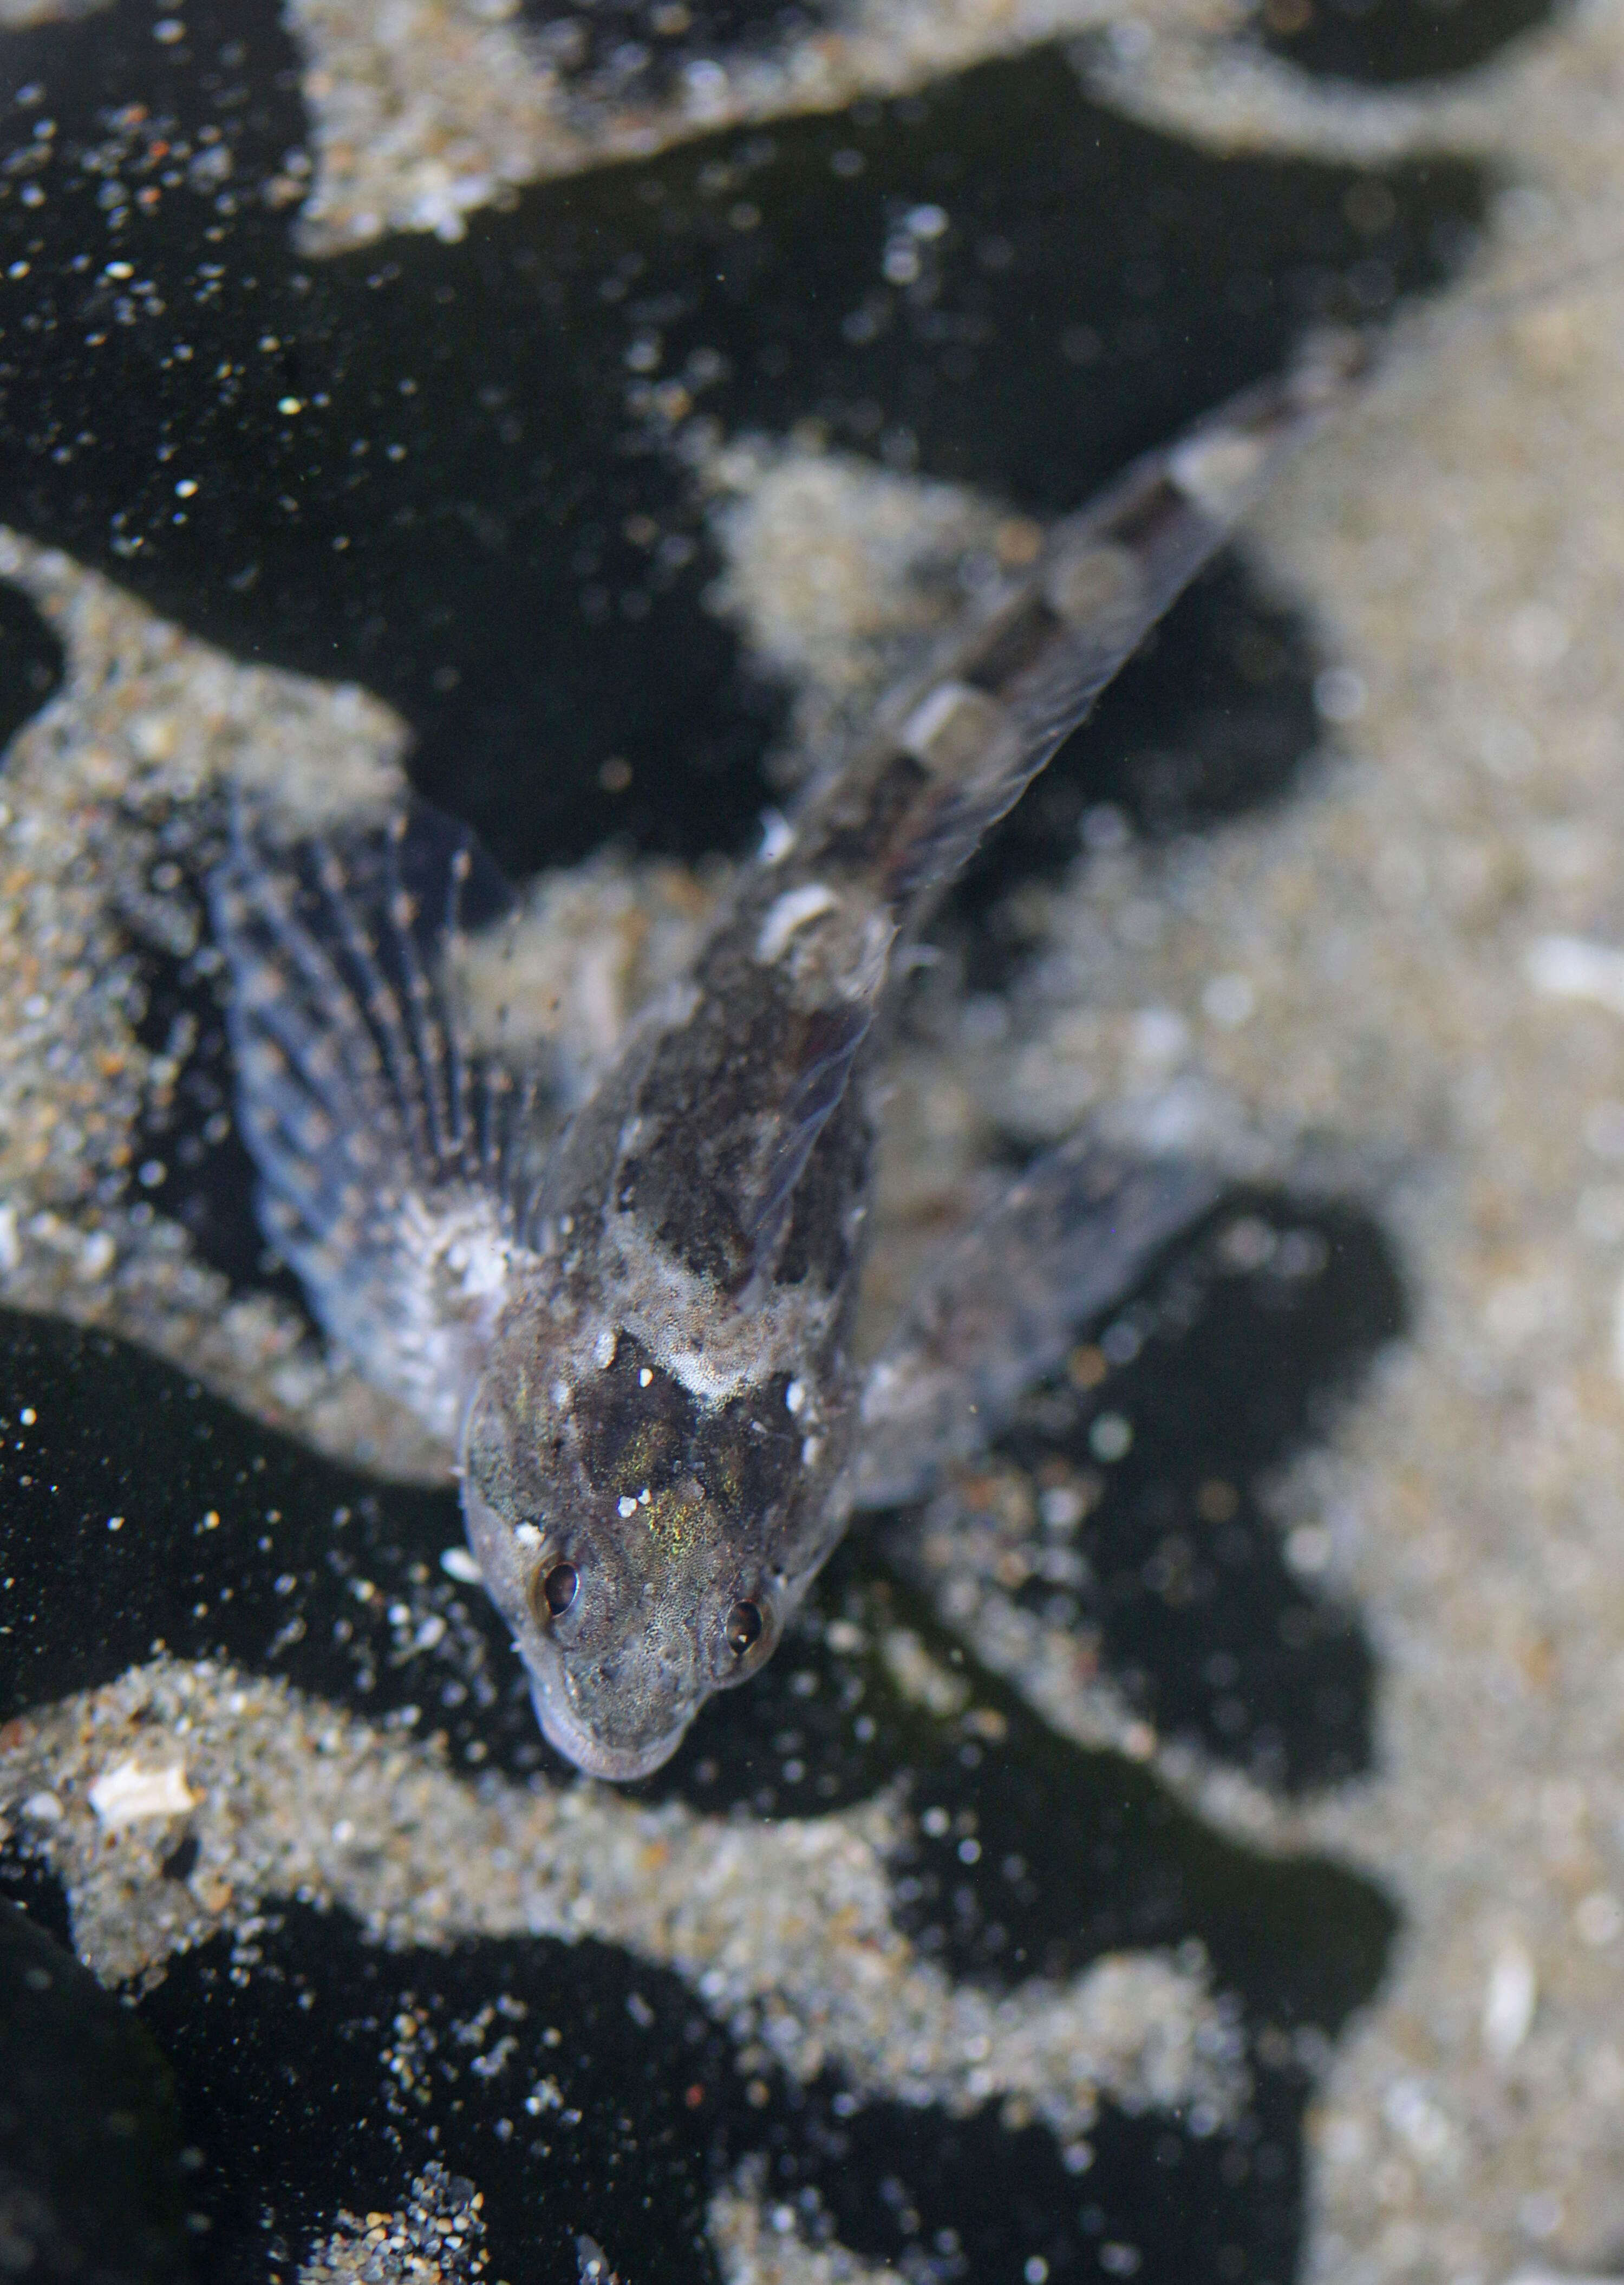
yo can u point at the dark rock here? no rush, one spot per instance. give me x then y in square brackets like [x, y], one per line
[92, 2173]
[30, 662]
[1390, 43]
[459, 512]
[581, 2092]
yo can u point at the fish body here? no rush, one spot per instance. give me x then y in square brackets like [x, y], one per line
[639, 1333]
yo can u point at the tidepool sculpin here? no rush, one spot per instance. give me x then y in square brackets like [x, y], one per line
[639, 1333]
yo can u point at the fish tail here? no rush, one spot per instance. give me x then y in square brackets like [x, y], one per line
[955, 747]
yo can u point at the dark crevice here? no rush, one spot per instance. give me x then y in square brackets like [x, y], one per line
[93, 2185]
[1390, 42]
[31, 662]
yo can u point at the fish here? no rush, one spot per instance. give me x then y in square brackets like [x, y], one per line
[635, 1328]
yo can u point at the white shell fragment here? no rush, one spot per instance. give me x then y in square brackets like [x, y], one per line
[127, 1794]
[1576, 968]
[1510, 2000]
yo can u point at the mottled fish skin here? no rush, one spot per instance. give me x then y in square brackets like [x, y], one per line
[663, 1432]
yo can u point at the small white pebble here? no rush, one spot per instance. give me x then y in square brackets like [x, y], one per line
[1308, 1548]
[1112, 1437]
[1339, 694]
[1508, 2000]
[1061, 1507]
[1228, 1001]
[130, 1794]
[777, 836]
[1159, 1037]
[1538, 636]
[1539, 2214]
[1598, 1918]
[97, 1252]
[458, 1563]
[1576, 968]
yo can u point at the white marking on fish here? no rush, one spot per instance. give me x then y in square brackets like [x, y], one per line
[792, 911]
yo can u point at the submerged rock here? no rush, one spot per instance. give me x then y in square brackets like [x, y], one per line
[93, 2174]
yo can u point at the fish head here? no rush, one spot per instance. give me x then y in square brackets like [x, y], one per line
[646, 1548]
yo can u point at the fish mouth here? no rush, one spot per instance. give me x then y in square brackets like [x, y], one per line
[594, 1756]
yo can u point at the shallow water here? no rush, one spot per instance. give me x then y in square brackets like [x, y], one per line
[1189, 1847]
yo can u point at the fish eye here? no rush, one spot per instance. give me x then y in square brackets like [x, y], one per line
[743, 1627]
[556, 1591]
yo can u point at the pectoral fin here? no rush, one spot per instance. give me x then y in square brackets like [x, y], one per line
[393, 1161]
[1004, 1302]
